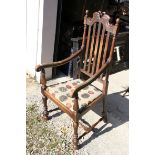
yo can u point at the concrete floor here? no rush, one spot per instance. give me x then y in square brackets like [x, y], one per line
[111, 138]
[108, 139]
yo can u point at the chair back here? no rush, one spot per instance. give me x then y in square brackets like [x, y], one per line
[98, 40]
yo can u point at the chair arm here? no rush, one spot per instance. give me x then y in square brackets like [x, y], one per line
[90, 80]
[38, 68]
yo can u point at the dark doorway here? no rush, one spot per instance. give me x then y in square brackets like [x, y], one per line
[70, 16]
[70, 24]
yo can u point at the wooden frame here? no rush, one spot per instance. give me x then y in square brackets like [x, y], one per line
[99, 35]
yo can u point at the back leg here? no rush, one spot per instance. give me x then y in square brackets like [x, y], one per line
[104, 112]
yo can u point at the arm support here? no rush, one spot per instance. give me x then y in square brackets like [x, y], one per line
[59, 63]
[90, 80]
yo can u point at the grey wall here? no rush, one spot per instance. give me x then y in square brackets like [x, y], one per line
[48, 33]
[40, 34]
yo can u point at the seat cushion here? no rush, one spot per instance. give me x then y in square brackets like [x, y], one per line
[62, 92]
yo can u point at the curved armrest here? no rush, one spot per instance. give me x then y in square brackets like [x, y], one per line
[90, 80]
[59, 63]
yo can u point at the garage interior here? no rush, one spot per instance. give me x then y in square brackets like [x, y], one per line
[69, 25]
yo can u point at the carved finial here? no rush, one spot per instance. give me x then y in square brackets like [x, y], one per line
[85, 21]
[117, 21]
[86, 12]
[99, 12]
[104, 13]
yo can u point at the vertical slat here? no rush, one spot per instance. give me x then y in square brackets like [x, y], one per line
[87, 47]
[106, 47]
[96, 48]
[91, 49]
[100, 49]
[105, 50]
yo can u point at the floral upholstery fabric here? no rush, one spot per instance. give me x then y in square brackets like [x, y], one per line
[62, 92]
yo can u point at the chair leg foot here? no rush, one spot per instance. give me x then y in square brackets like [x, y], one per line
[105, 119]
[75, 135]
[45, 117]
[45, 112]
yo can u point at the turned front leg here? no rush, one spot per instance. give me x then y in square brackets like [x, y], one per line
[44, 98]
[75, 123]
[45, 112]
[75, 135]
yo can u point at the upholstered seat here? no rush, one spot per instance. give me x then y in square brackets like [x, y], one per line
[62, 92]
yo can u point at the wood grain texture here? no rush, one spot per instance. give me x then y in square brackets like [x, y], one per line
[100, 49]
[92, 48]
[96, 49]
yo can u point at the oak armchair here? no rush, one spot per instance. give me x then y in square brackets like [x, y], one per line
[76, 97]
